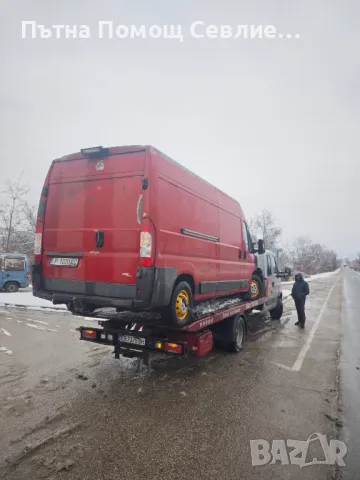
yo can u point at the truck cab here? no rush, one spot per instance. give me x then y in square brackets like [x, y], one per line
[267, 264]
[14, 272]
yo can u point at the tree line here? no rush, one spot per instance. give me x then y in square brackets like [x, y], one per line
[18, 223]
[303, 255]
[17, 219]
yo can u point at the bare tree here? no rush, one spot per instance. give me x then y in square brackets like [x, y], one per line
[312, 258]
[17, 218]
[263, 226]
[284, 258]
[12, 214]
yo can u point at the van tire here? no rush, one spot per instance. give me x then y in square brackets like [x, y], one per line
[11, 287]
[276, 313]
[256, 288]
[181, 304]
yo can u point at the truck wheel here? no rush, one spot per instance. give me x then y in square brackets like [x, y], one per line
[70, 307]
[11, 287]
[236, 334]
[181, 304]
[256, 288]
[276, 313]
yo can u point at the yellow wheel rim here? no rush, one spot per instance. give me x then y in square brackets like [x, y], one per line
[254, 288]
[182, 304]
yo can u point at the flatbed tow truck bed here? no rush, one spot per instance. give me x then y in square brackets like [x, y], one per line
[136, 337]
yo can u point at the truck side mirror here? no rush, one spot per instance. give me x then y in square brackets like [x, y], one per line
[261, 247]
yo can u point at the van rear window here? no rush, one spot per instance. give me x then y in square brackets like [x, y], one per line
[14, 264]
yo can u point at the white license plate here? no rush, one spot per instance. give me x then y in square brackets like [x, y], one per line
[64, 262]
[133, 340]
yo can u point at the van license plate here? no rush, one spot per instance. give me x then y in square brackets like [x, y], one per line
[64, 262]
[133, 340]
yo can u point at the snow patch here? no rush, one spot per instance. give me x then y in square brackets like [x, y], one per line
[207, 308]
[314, 277]
[26, 299]
[43, 329]
[286, 293]
[35, 327]
[38, 321]
[5, 332]
[6, 350]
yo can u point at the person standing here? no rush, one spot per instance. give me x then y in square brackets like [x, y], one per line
[299, 293]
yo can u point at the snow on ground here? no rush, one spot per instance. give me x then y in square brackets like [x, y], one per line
[27, 299]
[286, 293]
[314, 277]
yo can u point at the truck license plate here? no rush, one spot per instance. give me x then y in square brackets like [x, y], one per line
[132, 340]
[64, 262]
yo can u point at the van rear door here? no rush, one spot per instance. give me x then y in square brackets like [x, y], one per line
[92, 220]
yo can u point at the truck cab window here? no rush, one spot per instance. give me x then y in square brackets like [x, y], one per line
[14, 265]
[274, 265]
[268, 264]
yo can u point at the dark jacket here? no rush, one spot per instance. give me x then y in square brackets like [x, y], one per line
[300, 288]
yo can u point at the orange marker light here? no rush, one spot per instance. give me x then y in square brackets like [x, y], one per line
[89, 334]
[173, 348]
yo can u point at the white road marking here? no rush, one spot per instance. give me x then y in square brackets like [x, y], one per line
[283, 366]
[299, 361]
[6, 332]
[301, 357]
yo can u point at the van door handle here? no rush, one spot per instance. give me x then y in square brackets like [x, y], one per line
[99, 238]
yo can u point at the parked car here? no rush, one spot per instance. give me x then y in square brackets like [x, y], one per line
[130, 228]
[14, 272]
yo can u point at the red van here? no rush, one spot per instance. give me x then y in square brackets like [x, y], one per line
[130, 228]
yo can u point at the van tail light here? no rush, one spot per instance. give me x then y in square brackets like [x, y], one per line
[38, 244]
[147, 243]
[146, 249]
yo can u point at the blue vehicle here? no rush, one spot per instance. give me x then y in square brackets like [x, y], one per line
[14, 272]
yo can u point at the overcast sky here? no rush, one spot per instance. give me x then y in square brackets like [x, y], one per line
[274, 123]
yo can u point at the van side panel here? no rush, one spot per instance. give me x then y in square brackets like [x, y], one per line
[232, 250]
[187, 222]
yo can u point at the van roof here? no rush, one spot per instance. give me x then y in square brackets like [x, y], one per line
[140, 148]
[111, 151]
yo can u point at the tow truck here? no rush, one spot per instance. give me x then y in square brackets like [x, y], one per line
[224, 322]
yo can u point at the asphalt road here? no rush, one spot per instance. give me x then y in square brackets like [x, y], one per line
[69, 410]
[350, 371]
